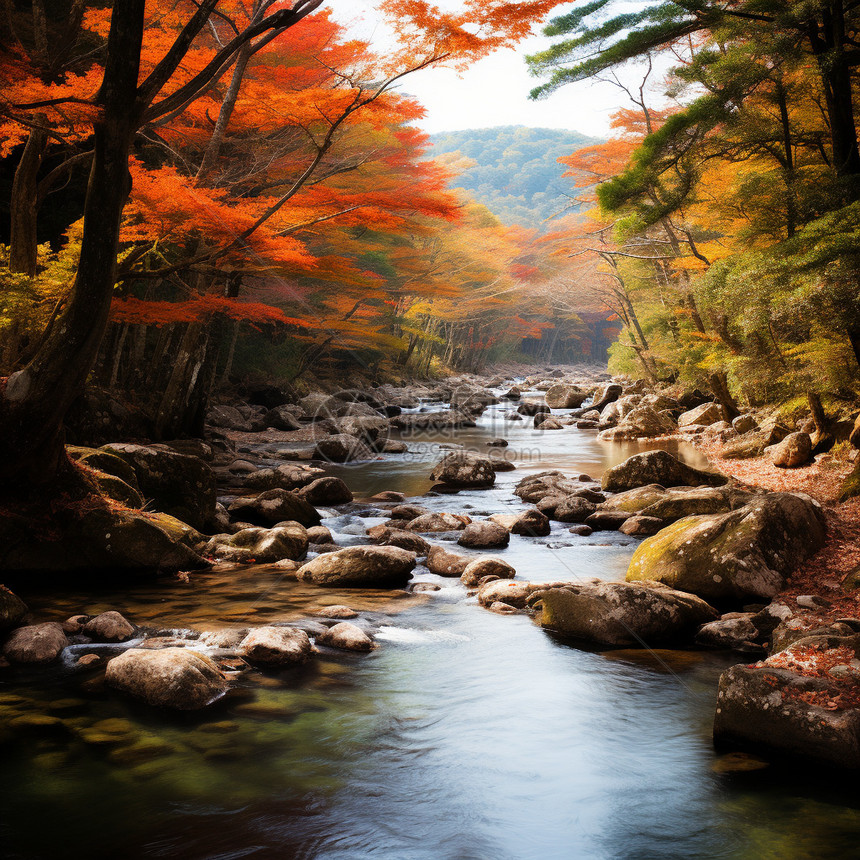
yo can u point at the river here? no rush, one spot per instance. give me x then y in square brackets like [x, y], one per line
[465, 736]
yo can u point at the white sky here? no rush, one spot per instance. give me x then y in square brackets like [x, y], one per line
[494, 91]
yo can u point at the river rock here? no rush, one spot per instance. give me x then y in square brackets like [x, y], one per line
[342, 448]
[512, 593]
[618, 614]
[258, 545]
[275, 506]
[444, 563]
[605, 395]
[532, 407]
[573, 509]
[290, 476]
[404, 539]
[744, 424]
[13, 610]
[582, 530]
[704, 415]
[791, 703]
[534, 488]
[407, 512]
[737, 631]
[464, 469]
[360, 567]
[177, 484]
[617, 410]
[670, 505]
[326, 491]
[108, 627]
[337, 610]
[347, 637]
[641, 423]
[484, 535]
[38, 643]
[606, 521]
[531, 523]
[448, 419]
[480, 568]
[657, 467]
[319, 534]
[561, 396]
[167, 677]
[276, 646]
[438, 522]
[795, 450]
[641, 526]
[742, 555]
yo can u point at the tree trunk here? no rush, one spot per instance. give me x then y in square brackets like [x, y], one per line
[37, 397]
[187, 364]
[822, 438]
[720, 387]
[23, 206]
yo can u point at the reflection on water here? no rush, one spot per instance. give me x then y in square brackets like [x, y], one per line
[466, 735]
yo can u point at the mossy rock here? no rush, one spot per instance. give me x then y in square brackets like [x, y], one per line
[851, 486]
[739, 556]
[104, 462]
[118, 490]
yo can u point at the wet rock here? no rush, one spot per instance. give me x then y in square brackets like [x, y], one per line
[641, 526]
[337, 610]
[561, 396]
[738, 556]
[167, 678]
[346, 637]
[74, 624]
[512, 593]
[513, 393]
[394, 446]
[407, 512]
[582, 530]
[342, 448]
[326, 491]
[282, 418]
[258, 545]
[319, 534]
[360, 567]
[275, 506]
[276, 646]
[176, 484]
[573, 509]
[464, 469]
[534, 488]
[704, 415]
[605, 395]
[497, 443]
[13, 610]
[438, 522]
[657, 467]
[616, 613]
[606, 520]
[37, 643]
[109, 627]
[735, 630]
[444, 563]
[88, 660]
[290, 476]
[404, 539]
[531, 523]
[790, 703]
[532, 407]
[478, 570]
[795, 450]
[484, 535]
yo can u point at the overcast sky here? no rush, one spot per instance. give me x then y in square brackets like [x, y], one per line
[493, 91]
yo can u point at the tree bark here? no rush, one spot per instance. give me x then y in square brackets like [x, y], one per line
[23, 207]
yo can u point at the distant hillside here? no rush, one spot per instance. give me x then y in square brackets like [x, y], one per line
[512, 169]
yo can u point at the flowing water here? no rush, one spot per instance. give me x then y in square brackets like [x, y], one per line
[465, 736]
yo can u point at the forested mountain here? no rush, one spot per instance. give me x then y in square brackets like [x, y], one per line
[513, 170]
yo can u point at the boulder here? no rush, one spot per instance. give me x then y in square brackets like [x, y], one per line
[274, 506]
[512, 593]
[497, 443]
[407, 512]
[108, 626]
[641, 423]
[532, 407]
[657, 467]
[606, 520]
[536, 487]
[342, 448]
[346, 637]
[444, 563]
[744, 424]
[448, 419]
[319, 534]
[276, 646]
[641, 526]
[373, 430]
[360, 567]
[402, 538]
[282, 418]
[561, 396]
[670, 505]
[800, 702]
[617, 410]
[476, 571]
[484, 535]
[259, 545]
[531, 523]
[736, 630]
[326, 491]
[573, 509]
[38, 643]
[582, 530]
[13, 610]
[620, 614]
[549, 424]
[464, 469]
[795, 450]
[605, 395]
[167, 677]
[740, 556]
[438, 522]
[227, 417]
[177, 484]
[707, 413]
[290, 476]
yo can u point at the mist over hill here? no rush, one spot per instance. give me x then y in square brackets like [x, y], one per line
[513, 170]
